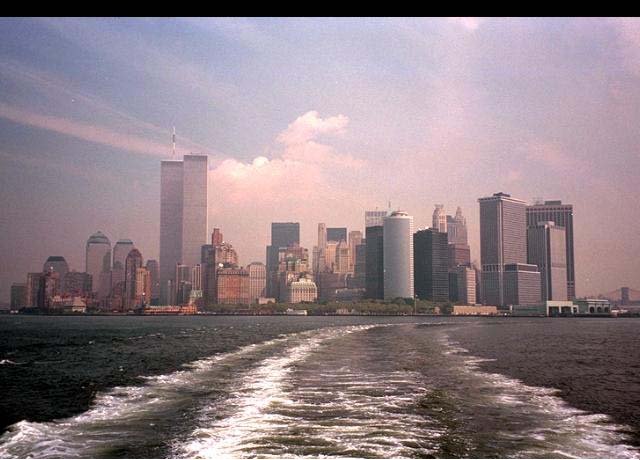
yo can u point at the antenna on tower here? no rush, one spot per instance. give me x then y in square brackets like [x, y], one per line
[173, 138]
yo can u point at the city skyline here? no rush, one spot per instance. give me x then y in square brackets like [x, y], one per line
[82, 153]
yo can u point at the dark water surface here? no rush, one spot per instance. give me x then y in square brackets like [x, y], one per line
[319, 386]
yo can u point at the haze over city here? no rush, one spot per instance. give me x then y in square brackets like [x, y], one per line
[317, 120]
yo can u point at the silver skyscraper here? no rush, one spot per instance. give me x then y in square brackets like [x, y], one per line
[183, 215]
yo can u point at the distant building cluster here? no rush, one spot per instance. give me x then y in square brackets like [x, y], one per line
[526, 258]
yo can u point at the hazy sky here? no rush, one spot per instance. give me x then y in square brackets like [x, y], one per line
[316, 120]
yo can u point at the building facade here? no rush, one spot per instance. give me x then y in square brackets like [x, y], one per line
[546, 248]
[431, 265]
[257, 280]
[562, 216]
[233, 286]
[398, 255]
[503, 240]
[302, 290]
[98, 263]
[183, 215]
[374, 262]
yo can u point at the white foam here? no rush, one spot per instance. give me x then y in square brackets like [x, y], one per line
[111, 411]
[561, 429]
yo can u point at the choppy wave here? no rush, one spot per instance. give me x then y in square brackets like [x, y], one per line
[126, 412]
[555, 429]
[345, 391]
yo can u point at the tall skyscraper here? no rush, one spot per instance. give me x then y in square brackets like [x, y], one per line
[503, 240]
[154, 279]
[183, 214]
[322, 235]
[194, 209]
[439, 221]
[171, 204]
[457, 228]
[120, 252]
[374, 262]
[431, 265]
[355, 238]
[132, 263]
[562, 215]
[374, 218]
[337, 234]
[360, 266]
[398, 255]
[546, 248]
[283, 235]
[98, 263]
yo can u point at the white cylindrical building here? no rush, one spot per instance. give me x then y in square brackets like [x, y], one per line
[398, 255]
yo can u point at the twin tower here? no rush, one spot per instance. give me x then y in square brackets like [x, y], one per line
[183, 216]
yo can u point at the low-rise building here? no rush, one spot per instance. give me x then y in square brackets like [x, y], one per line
[303, 290]
[459, 310]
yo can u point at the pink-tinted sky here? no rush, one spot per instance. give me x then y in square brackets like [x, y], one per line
[317, 120]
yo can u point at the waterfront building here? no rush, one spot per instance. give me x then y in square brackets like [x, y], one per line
[183, 215]
[59, 265]
[431, 265]
[132, 263]
[398, 255]
[374, 262]
[562, 215]
[233, 286]
[18, 296]
[257, 280]
[521, 284]
[503, 240]
[328, 284]
[374, 218]
[302, 290]
[439, 219]
[475, 310]
[98, 263]
[546, 248]
[465, 285]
